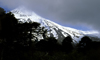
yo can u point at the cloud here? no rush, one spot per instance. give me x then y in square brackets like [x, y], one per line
[75, 12]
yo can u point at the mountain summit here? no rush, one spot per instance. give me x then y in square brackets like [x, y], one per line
[55, 30]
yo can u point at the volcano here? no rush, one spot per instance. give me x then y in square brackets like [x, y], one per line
[54, 29]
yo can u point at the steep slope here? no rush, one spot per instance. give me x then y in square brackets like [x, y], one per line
[55, 30]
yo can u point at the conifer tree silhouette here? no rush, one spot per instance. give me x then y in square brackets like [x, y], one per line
[85, 44]
[66, 44]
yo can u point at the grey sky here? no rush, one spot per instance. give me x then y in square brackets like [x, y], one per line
[75, 12]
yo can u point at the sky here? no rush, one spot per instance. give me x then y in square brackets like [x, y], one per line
[79, 14]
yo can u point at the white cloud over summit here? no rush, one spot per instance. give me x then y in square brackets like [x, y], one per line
[75, 12]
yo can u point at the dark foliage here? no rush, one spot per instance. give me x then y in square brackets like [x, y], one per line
[95, 45]
[84, 44]
[67, 44]
[42, 45]
[48, 45]
[2, 11]
[14, 35]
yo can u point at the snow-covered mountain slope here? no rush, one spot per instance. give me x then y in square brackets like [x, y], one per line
[55, 30]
